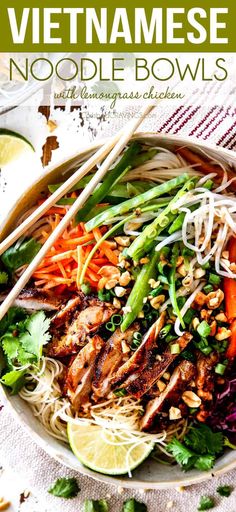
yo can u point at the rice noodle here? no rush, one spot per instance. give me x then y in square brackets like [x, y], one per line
[186, 306]
[118, 417]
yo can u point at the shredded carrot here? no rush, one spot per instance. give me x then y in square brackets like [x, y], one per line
[64, 263]
[111, 256]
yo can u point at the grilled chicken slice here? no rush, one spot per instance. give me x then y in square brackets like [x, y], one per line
[152, 370]
[66, 313]
[205, 375]
[81, 372]
[181, 376]
[33, 299]
[114, 353]
[142, 356]
[71, 336]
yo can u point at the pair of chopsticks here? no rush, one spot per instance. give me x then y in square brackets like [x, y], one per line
[111, 151]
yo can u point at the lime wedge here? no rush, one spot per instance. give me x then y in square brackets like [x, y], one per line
[106, 452]
[12, 145]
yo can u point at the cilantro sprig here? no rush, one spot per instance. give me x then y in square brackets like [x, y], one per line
[21, 343]
[65, 488]
[205, 446]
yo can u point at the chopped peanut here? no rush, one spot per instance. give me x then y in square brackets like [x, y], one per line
[119, 291]
[110, 272]
[166, 376]
[214, 299]
[111, 283]
[223, 334]
[116, 303]
[174, 413]
[213, 327]
[125, 278]
[143, 261]
[179, 261]
[225, 255]
[195, 323]
[182, 270]
[157, 301]
[153, 283]
[221, 317]
[200, 299]
[161, 385]
[205, 314]
[191, 399]
[124, 241]
[199, 272]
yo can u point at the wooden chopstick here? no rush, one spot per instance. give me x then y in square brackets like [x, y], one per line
[123, 139]
[61, 191]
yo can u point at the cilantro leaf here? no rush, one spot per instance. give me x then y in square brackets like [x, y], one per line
[203, 440]
[14, 379]
[183, 455]
[205, 445]
[224, 490]
[206, 502]
[36, 334]
[65, 488]
[134, 506]
[95, 506]
[19, 255]
[204, 462]
[10, 346]
[3, 278]
[13, 315]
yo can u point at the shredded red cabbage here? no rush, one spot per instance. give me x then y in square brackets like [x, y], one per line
[223, 415]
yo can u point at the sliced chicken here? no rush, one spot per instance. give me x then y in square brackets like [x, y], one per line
[71, 336]
[66, 313]
[181, 376]
[114, 353]
[142, 356]
[81, 372]
[33, 299]
[205, 375]
[152, 369]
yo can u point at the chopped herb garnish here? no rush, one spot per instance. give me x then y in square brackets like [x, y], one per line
[214, 279]
[220, 369]
[224, 490]
[208, 288]
[204, 329]
[175, 348]
[95, 506]
[198, 449]
[134, 506]
[206, 502]
[65, 488]
[120, 392]
[3, 278]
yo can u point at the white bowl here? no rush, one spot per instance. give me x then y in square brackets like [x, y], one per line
[150, 474]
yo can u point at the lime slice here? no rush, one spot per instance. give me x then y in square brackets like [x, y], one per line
[106, 452]
[12, 145]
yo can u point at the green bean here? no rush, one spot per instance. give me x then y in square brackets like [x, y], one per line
[144, 242]
[81, 184]
[123, 166]
[140, 290]
[137, 201]
[177, 224]
[172, 289]
[144, 156]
